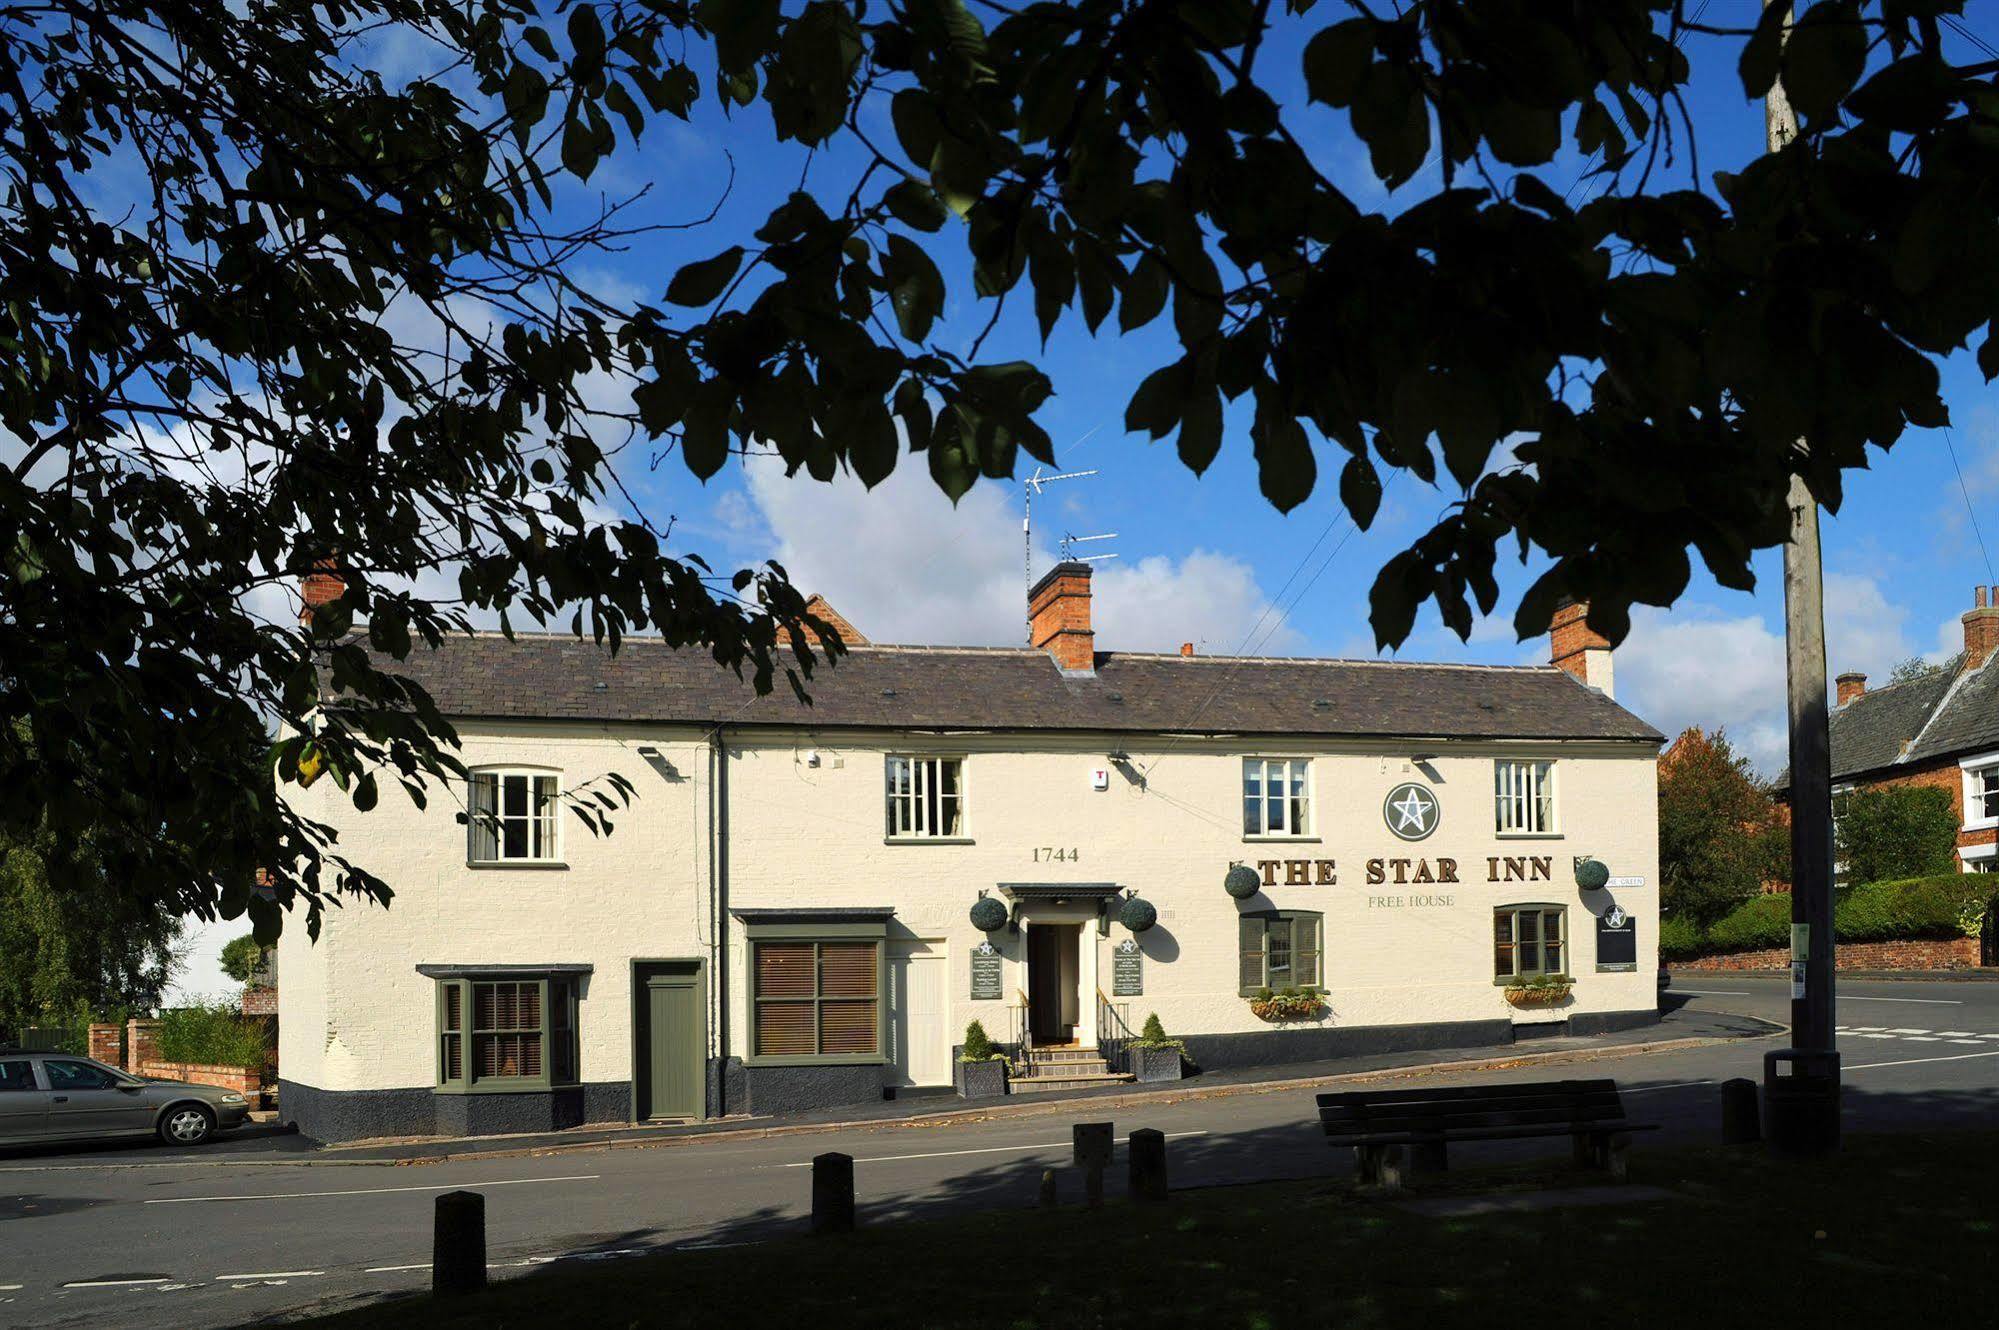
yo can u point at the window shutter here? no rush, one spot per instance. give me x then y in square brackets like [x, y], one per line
[1305, 949]
[1250, 933]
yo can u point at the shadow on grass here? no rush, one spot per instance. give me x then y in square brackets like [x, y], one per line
[1898, 1226]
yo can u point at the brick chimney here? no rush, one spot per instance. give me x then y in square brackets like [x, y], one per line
[1981, 627]
[1058, 618]
[1579, 649]
[322, 586]
[818, 607]
[1852, 684]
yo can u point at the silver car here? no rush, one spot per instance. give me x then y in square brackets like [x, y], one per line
[60, 1096]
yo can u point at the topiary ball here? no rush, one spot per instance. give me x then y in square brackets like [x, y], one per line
[1242, 882]
[1137, 914]
[988, 914]
[1592, 874]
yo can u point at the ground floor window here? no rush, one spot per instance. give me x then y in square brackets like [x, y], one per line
[1529, 941]
[817, 999]
[1280, 949]
[506, 1033]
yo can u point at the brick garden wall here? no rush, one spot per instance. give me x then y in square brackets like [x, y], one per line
[1957, 953]
[229, 1078]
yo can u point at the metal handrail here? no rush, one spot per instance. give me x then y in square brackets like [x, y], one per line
[1113, 1034]
[1021, 1032]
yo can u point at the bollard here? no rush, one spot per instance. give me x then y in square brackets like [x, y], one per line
[1048, 1189]
[458, 1244]
[832, 1193]
[1092, 1142]
[1741, 1120]
[1147, 1149]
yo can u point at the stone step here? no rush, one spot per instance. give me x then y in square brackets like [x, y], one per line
[1045, 1084]
[1062, 1053]
[1067, 1067]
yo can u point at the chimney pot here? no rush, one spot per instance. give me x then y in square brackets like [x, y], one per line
[1981, 627]
[1186, 648]
[1058, 617]
[1852, 684]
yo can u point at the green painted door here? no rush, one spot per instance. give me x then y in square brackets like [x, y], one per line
[673, 1042]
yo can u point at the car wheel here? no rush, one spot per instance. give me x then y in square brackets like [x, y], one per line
[187, 1124]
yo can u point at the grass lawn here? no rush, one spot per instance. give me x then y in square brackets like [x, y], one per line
[1900, 1230]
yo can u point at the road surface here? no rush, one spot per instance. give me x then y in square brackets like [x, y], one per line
[246, 1231]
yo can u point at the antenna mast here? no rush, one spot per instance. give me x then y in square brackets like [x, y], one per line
[1029, 488]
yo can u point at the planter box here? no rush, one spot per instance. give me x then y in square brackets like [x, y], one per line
[1155, 1064]
[980, 1080]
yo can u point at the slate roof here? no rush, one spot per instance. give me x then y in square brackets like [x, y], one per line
[946, 688]
[1941, 715]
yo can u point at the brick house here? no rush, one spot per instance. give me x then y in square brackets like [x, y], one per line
[1941, 730]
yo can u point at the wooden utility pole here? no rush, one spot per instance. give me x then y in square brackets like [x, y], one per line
[1801, 1083]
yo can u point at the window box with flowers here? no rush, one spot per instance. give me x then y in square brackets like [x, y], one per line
[1287, 1004]
[1542, 990]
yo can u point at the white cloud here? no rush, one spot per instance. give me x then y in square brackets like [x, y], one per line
[905, 566]
[1697, 665]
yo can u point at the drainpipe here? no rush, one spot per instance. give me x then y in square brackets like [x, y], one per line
[718, 869]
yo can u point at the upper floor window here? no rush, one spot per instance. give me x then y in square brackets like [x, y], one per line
[511, 817]
[1981, 794]
[1276, 796]
[926, 797]
[1524, 795]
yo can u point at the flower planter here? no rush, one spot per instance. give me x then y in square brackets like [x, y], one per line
[1550, 996]
[1155, 1064]
[980, 1080]
[1287, 1009]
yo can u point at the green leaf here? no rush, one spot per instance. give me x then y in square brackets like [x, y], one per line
[1764, 50]
[1335, 60]
[915, 288]
[1201, 429]
[1286, 469]
[1392, 118]
[586, 40]
[1825, 57]
[916, 205]
[1144, 294]
[1360, 491]
[700, 283]
[1155, 407]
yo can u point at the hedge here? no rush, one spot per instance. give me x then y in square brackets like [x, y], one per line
[211, 1035]
[1679, 937]
[1946, 906]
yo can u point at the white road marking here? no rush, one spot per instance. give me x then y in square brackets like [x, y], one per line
[1713, 992]
[1677, 1085]
[1919, 1039]
[1864, 1029]
[1957, 1034]
[1927, 1002]
[1878, 1036]
[10, 1288]
[394, 1269]
[1895, 1031]
[1972, 1042]
[112, 1283]
[369, 1191]
[270, 1274]
[987, 1150]
[1911, 1062]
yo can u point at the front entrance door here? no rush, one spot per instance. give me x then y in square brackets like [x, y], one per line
[671, 1021]
[1051, 981]
[916, 976]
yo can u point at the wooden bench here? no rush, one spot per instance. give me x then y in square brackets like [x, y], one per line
[1378, 1123]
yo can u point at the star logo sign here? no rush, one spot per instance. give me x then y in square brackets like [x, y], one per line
[1411, 811]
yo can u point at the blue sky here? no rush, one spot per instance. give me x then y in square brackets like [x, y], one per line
[1208, 560]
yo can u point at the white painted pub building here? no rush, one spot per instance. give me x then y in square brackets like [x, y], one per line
[804, 906]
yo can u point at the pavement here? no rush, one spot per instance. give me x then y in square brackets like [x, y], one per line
[258, 1228]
